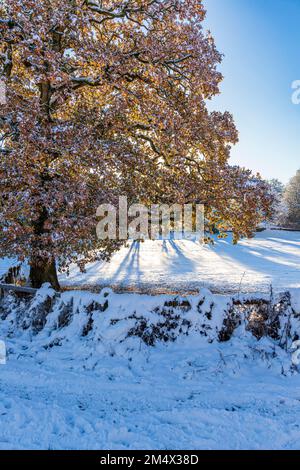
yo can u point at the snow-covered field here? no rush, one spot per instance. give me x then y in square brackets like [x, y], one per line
[271, 258]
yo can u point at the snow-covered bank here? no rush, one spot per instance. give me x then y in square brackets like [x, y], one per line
[108, 322]
[271, 258]
[111, 371]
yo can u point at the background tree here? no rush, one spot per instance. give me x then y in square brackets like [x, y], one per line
[292, 200]
[279, 212]
[108, 98]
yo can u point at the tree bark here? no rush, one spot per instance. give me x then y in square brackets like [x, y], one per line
[43, 270]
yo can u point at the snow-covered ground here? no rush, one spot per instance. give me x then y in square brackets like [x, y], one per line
[109, 390]
[271, 258]
[182, 396]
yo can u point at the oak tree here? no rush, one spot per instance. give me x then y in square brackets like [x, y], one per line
[108, 98]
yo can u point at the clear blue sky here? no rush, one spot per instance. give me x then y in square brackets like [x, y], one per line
[261, 43]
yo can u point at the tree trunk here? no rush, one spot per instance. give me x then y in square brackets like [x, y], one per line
[43, 270]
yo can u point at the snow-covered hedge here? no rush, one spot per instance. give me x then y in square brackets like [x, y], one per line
[113, 321]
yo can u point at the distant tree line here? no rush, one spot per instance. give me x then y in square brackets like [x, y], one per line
[287, 206]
